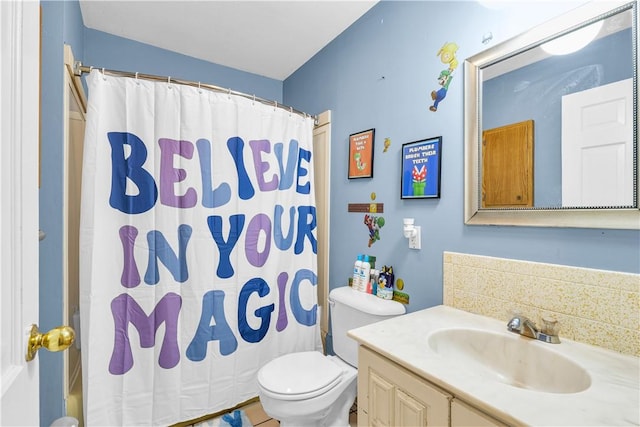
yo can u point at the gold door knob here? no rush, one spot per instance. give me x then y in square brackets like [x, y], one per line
[57, 339]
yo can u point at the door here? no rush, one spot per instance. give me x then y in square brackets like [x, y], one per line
[19, 112]
[322, 180]
[507, 166]
[597, 146]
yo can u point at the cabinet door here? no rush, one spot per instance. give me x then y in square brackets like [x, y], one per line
[381, 394]
[465, 415]
[409, 411]
[507, 166]
[393, 396]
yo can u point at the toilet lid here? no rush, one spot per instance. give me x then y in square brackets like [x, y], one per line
[307, 373]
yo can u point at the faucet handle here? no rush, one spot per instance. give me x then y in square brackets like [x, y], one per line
[550, 325]
[514, 323]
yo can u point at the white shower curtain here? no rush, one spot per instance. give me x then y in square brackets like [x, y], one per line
[198, 248]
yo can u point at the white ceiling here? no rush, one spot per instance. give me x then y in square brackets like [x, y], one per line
[264, 37]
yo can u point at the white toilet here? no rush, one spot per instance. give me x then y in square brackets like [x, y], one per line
[311, 389]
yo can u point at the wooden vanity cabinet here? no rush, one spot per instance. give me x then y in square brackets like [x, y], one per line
[389, 395]
[392, 396]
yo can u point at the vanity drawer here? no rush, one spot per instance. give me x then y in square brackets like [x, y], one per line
[465, 415]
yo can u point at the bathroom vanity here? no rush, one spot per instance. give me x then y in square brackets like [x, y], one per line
[443, 366]
[390, 395]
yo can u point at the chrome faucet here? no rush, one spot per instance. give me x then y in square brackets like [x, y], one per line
[525, 327]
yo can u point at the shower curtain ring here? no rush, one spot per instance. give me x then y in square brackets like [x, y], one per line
[254, 99]
[290, 111]
[275, 105]
[229, 93]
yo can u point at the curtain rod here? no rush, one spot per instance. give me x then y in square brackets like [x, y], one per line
[79, 69]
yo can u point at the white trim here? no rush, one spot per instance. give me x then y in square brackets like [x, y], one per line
[19, 136]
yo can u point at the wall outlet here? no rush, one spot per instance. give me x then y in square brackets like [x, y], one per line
[415, 241]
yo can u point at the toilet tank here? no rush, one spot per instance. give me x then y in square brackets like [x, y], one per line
[351, 309]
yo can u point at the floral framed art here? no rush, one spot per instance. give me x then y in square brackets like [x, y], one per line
[421, 161]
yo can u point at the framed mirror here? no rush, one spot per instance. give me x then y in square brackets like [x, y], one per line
[551, 134]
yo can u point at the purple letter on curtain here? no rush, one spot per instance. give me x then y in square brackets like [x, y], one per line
[126, 310]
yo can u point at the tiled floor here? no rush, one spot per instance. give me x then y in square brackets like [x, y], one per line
[259, 418]
[353, 415]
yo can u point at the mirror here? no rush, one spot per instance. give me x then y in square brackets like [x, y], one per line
[551, 135]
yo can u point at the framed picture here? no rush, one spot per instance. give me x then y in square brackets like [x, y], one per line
[421, 169]
[361, 154]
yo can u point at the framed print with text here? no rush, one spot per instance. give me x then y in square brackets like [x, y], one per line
[361, 154]
[420, 168]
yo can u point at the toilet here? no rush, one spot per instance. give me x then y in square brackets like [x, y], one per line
[311, 389]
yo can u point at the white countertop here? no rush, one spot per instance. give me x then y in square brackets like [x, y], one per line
[612, 399]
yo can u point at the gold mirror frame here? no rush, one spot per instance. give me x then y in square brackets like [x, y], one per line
[626, 218]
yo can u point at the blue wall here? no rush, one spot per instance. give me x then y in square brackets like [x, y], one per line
[61, 23]
[379, 74]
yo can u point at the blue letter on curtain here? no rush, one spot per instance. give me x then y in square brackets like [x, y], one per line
[130, 167]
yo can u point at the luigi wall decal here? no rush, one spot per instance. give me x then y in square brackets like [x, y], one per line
[447, 54]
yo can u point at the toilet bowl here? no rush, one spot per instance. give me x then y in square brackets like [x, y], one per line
[323, 389]
[310, 389]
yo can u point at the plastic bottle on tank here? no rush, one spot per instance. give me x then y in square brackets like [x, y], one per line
[375, 275]
[365, 272]
[357, 269]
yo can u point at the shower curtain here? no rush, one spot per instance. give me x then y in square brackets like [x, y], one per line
[198, 248]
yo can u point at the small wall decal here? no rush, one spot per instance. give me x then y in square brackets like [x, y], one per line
[387, 144]
[447, 54]
[401, 297]
[374, 224]
[365, 207]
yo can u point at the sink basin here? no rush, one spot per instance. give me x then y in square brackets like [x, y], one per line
[510, 358]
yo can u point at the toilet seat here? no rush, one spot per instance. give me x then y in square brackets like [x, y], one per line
[299, 376]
